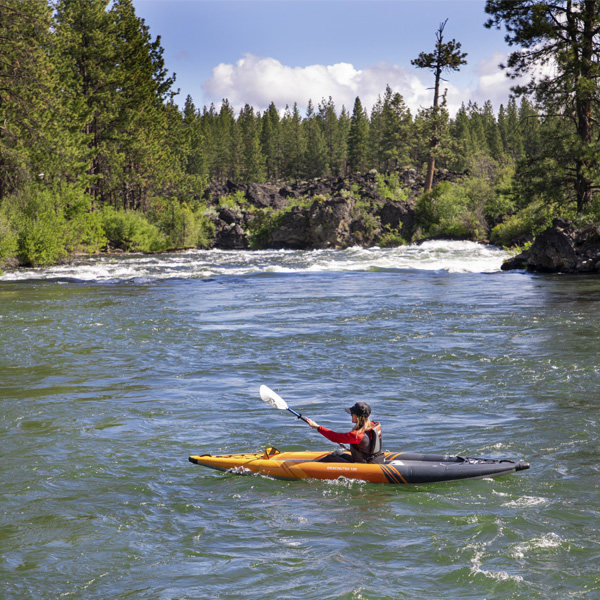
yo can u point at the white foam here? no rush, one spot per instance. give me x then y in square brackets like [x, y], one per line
[525, 502]
[450, 256]
[476, 567]
[546, 542]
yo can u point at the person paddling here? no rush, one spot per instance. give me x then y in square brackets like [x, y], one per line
[364, 439]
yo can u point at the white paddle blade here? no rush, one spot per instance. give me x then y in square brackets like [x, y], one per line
[272, 399]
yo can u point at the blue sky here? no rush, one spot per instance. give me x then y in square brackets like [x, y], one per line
[286, 51]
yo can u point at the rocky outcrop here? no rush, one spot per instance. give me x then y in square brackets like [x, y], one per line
[331, 212]
[398, 215]
[561, 249]
[325, 223]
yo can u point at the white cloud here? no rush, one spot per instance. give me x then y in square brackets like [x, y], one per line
[259, 81]
[493, 83]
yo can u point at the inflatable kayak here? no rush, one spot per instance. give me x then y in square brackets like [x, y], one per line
[398, 467]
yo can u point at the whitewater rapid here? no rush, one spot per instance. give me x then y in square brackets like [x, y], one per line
[449, 256]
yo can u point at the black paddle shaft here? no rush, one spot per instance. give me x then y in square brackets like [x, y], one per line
[297, 414]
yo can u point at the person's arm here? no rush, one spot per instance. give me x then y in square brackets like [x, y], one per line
[352, 437]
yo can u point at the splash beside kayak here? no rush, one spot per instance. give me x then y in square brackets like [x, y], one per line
[398, 468]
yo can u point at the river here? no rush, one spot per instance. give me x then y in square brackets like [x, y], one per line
[113, 370]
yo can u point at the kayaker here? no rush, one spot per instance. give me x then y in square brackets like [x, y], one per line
[364, 439]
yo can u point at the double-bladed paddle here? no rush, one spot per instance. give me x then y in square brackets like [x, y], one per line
[276, 401]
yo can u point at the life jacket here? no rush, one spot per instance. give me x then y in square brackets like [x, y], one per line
[369, 449]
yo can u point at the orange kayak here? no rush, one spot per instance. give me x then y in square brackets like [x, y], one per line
[398, 467]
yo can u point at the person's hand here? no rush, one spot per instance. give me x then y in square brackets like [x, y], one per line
[312, 423]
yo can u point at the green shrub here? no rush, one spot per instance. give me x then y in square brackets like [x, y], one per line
[84, 232]
[237, 201]
[391, 238]
[453, 210]
[205, 229]
[529, 221]
[362, 213]
[51, 222]
[131, 231]
[390, 187]
[9, 239]
[261, 226]
[589, 216]
[42, 240]
[500, 199]
[183, 226]
[176, 221]
[36, 214]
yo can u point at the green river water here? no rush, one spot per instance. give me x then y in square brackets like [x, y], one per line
[113, 371]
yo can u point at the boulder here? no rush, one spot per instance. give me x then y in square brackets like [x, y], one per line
[553, 251]
[399, 216]
[292, 232]
[561, 249]
[329, 223]
[230, 237]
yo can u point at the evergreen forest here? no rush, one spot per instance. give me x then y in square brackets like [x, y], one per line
[95, 153]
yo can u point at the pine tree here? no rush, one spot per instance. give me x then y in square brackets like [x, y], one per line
[492, 132]
[343, 132]
[26, 92]
[315, 158]
[358, 138]
[445, 57]
[376, 155]
[564, 32]
[395, 131]
[477, 129]
[85, 42]
[419, 138]
[208, 132]
[333, 136]
[293, 144]
[195, 156]
[147, 165]
[253, 160]
[531, 126]
[115, 88]
[226, 148]
[462, 140]
[513, 132]
[271, 142]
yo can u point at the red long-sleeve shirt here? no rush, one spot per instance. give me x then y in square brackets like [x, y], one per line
[352, 437]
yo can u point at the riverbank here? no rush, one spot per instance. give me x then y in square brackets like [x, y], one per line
[368, 210]
[332, 213]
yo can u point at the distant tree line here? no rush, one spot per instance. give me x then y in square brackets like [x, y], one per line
[94, 151]
[259, 147]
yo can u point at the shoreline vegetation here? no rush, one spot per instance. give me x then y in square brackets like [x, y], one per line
[96, 156]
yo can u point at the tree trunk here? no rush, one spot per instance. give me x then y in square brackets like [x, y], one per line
[584, 98]
[434, 142]
[430, 170]
[583, 187]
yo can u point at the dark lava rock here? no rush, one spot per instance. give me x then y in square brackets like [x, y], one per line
[561, 249]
